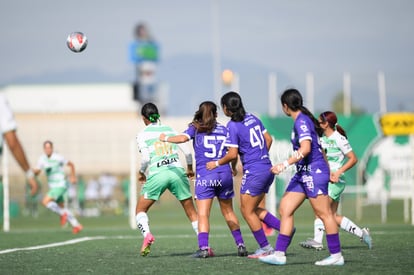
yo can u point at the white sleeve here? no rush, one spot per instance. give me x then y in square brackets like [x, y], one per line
[185, 148]
[145, 154]
[344, 145]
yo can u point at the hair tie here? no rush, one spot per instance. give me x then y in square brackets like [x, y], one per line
[153, 117]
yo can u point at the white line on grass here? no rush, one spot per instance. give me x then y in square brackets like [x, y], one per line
[52, 244]
[84, 239]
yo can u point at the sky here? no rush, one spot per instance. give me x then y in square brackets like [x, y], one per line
[255, 38]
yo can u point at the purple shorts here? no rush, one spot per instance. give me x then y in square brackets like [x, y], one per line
[213, 184]
[257, 182]
[310, 183]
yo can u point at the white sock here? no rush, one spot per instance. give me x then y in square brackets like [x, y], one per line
[195, 226]
[349, 226]
[318, 230]
[71, 218]
[142, 223]
[54, 207]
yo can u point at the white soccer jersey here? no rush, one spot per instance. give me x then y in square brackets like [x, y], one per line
[54, 169]
[160, 155]
[336, 147]
[7, 121]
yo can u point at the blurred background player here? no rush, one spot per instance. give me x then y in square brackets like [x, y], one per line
[209, 138]
[337, 147]
[310, 182]
[164, 172]
[8, 133]
[53, 164]
[248, 137]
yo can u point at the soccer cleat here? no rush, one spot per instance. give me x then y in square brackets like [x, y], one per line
[241, 250]
[210, 252]
[338, 260]
[366, 237]
[77, 229]
[263, 251]
[146, 244]
[201, 253]
[204, 253]
[311, 243]
[63, 219]
[275, 258]
[268, 230]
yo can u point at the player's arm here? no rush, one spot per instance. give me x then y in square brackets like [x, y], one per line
[231, 155]
[17, 150]
[351, 161]
[72, 172]
[145, 160]
[302, 152]
[181, 138]
[268, 140]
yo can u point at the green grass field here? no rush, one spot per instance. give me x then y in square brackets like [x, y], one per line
[108, 246]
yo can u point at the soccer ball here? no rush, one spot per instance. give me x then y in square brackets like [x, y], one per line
[77, 42]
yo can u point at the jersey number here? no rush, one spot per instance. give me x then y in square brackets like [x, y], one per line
[256, 137]
[210, 143]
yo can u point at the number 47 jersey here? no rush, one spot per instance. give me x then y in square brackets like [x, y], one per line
[248, 136]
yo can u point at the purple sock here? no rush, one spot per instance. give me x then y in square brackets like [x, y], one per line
[237, 236]
[202, 240]
[260, 237]
[334, 245]
[272, 221]
[282, 242]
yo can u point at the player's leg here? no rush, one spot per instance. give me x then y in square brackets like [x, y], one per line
[322, 208]
[288, 205]
[69, 216]
[203, 210]
[180, 187]
[226, 207]
[141, 218]
[49, 201]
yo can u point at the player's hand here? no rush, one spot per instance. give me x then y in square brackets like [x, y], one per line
[142, 178]
[33, 186]
[162, 137]
[73, 179]
[277, 169]
[211, 165]
[334, 177]
[190, 173]
[234, 172]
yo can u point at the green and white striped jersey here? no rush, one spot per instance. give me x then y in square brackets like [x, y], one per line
[336, 147]
[54, 169]
[160, 155]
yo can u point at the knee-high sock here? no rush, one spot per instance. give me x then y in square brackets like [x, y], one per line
[318, 230]
[54, 207]
[349, 226]
[142, 223]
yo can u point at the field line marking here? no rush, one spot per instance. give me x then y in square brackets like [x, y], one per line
[73, 241]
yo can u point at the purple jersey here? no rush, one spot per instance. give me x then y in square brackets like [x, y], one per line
[247, 136]
[304, 129]
[208, 147]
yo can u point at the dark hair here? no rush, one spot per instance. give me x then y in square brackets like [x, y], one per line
[150, 112]
[205, 118]
[233, 102]
[47, 142]
[293, 99]
[332, 120]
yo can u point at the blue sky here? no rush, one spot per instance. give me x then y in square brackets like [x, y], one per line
[289, 38]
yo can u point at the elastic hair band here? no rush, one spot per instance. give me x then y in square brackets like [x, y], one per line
[153, 117]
